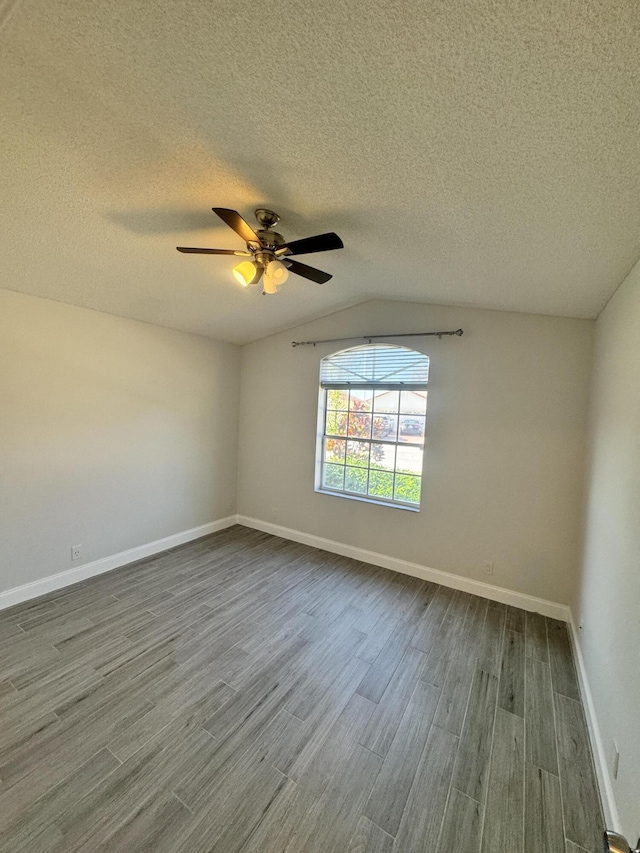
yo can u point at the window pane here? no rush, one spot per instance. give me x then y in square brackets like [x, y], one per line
[359, 425]
[385, 426]
[360, 400]
[358, 453]
[334, 450]
[409, 459]
[336, 423]
[413, 402]
[381, 484]
[386, 401]
[383, 456]
[333, 476]
[356, 480]
[337, 399]
[412, 427]
[407, 488]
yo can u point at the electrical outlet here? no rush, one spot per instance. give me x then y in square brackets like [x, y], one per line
[487, 567]
[615, 760]
[76, 552]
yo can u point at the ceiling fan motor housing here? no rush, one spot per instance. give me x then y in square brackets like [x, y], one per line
[270, 239]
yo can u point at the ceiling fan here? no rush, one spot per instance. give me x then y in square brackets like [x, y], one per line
[270, 254]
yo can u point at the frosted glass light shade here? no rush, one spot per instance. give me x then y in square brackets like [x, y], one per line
[269, 285]
[275, 274]
[245, 273]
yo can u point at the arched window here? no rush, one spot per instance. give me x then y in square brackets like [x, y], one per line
[373, 403]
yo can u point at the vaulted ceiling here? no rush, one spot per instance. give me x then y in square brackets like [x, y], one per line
[481, 152]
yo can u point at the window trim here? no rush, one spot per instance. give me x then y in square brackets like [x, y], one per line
[321, 436]
[375, 368]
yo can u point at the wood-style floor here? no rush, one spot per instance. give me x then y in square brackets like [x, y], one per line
[245, 693]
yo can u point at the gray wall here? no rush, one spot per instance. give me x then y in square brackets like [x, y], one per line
[608, 600]
[113, 434]
[506, 431]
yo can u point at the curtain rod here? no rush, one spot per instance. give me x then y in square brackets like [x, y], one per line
[370, 338]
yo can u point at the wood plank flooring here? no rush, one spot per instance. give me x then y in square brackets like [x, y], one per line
[246, 694]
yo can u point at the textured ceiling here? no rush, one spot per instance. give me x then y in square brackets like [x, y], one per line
[480, 152]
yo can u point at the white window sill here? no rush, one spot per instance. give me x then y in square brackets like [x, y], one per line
[367, 500]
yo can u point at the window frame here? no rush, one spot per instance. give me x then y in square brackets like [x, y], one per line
[322, 437]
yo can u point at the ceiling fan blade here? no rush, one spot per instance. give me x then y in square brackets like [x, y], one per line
[308, 272]
[233, 219]
[319, 243]
[189, 250]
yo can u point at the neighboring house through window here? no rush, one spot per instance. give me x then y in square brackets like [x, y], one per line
[371, 424]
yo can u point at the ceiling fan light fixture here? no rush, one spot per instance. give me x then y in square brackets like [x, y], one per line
[269, 285]
[276, 273]
[245, 273]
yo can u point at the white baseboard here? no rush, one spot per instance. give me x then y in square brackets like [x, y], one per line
[34, 589]
[611, 816]
[484, 590]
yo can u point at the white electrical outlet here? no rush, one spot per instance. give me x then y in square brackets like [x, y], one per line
[487, 567]
[76, 552]
[615, 760]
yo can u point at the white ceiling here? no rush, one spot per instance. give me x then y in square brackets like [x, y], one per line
[480, 152]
